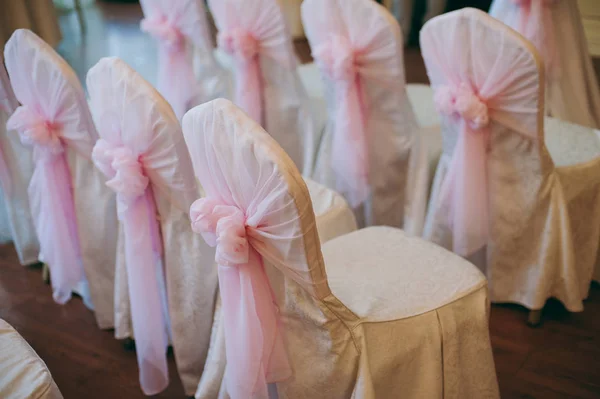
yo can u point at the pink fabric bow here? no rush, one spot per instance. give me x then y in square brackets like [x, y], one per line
[176, 78]
[143, 252]
[536, 24]
[350, 162]
[254, 345]
[51, 200]
[465, 187]
[244, 48]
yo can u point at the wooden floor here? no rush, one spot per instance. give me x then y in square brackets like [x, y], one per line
[561, 359]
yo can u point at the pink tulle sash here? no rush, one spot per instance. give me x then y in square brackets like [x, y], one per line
[350, 148]
[536, 24]
[176, 78]
[51, 200]
[143, 254]
[254, 346]
[248, 81]
[465, 188]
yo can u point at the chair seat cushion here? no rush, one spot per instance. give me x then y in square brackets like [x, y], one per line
[570, 144]
[382, 274]
[22, 373]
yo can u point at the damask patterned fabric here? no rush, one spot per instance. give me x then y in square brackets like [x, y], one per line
[544, 193]
[16, 224]
[369, 315]
[22, 373]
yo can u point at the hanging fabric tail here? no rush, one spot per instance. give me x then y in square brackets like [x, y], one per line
[143, 255]
[176, 79]
[350, 159]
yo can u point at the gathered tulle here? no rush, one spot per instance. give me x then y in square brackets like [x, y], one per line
[474, 89]
[247, 32]
[349, 157]
[249, 215]
[140, 153]
[51, 200]
[179, 28]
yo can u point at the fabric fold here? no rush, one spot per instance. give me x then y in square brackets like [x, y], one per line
[51, 201]
[143, 251]
[349, 158]
[255, 352]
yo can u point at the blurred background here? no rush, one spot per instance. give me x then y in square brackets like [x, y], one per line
[83, 31]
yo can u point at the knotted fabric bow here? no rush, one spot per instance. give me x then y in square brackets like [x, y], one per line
[244, 49]
[254, 346]
[176, 78]
[465, 187]
[143, 250]
[336, 57]
[51, 200]
[535, 23]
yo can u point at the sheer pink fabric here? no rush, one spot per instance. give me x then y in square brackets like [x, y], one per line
[8, 104]
[351, 58]
[52, 117]
[250, 216]
[247, 31]
[535, 23]
[178, 27]
[476, 85]
[136, 151]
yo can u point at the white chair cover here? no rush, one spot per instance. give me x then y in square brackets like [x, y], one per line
[555, 27]
[40, 76]
[185, 53]
[130, 113]
[528, 252]
[18, 166]
[284, 107]
[396, 160]
[371, 317]
[22, 373]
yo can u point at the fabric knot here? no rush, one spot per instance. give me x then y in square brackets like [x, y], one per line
[238, 43]
[462, 101]
[337, 58]
[124, 169]
[165, 31]
[36, 131]
[223, 227]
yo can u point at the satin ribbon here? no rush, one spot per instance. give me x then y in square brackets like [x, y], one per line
[465, 188]
[244, 48]
[254, 347]
[536, 25]
[350, 150]
[51, 200]
[176, 78]
[143, 251]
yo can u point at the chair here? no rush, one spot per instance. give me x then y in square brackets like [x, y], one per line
[527, 216]
[70, 205]
[366, 317]
[22, 373]
[142, 153]
[555, 28]
[162, 182]
[188, 72]
[267, 86]
[372, 150]
[16, 168]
